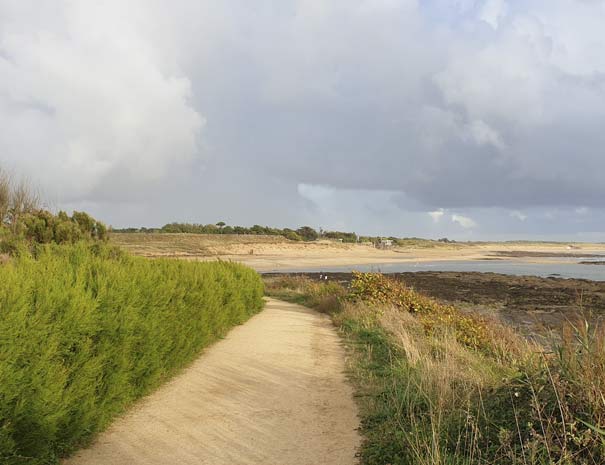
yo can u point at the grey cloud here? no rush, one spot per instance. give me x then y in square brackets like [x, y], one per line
[204, 110]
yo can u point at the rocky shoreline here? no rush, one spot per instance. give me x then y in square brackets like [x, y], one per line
[530, 303]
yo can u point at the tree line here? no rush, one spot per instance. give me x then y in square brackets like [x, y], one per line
[304, 233]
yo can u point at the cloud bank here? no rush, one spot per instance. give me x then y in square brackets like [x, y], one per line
[86, 101]
[148, 112]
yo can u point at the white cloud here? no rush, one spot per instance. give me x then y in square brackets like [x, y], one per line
[493, 11]
[86, 97]
[464, 221]
[518, 215]
[436, 215]
[582, 210]
[483, 134]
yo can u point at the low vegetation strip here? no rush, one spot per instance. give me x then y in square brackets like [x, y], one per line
[440, 387]
[85, 330]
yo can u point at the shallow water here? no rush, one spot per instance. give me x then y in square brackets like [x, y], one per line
[559, 270]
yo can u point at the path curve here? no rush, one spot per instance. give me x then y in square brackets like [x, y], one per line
[273, 392]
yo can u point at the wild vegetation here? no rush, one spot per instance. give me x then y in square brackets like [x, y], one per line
[304, 233]
[22, 217]
[438, 386]
[85, 330]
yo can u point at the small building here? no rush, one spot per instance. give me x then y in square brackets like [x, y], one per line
[384, 244]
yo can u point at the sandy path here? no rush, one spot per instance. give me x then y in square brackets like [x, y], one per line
[273, 393]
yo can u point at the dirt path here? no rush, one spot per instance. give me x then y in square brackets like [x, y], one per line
[273, 393]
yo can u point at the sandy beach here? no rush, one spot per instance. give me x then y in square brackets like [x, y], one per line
[266, 253]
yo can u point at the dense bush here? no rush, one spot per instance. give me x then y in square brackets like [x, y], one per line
[350, 237]
[43, 227]
[307, 233]
[85, 330]
[22, 217]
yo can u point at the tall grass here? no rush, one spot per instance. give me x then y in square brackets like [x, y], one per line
[440, 387]
[86, 330]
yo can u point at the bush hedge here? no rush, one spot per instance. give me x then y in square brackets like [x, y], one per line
[86, 330]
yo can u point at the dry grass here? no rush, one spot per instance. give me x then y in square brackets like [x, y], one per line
[427, 396]
[191, 245]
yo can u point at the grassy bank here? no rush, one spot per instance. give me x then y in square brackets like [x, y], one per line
[436, 386]
[189, 245]
[85, 330]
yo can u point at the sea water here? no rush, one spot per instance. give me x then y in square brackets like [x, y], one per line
[512, 267]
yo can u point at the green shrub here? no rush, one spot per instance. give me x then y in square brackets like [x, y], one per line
[343, 236]
[292, 235]
[42, 227]
[86, 330]
[307, 233]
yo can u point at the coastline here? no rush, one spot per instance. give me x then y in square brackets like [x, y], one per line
[265, 253]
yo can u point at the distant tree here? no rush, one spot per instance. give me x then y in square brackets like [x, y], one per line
[292, 235]
[307, 233]
[343, 236]
[257, 229]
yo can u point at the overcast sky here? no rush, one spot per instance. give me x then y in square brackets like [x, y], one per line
[472, 119]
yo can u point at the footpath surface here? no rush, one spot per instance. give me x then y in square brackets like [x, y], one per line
[273, 392]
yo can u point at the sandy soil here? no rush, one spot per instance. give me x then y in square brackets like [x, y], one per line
[266, 258]
[273, 393]
[266, 253]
